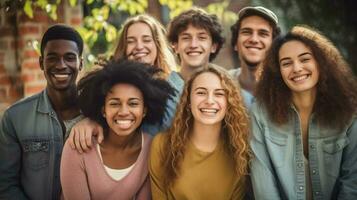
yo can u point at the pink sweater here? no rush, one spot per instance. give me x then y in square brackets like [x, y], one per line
[83, 176]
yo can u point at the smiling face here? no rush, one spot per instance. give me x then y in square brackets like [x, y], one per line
[61, 64]
[254, 39]
[298, 67]
[194, 47]
[124, 109]
[208, 99]
[140, 44]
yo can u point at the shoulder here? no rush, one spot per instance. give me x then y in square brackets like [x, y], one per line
[157, 145]
[159, 139]
[75, 156]
[234, 72]
[176, 81]
[24, 103]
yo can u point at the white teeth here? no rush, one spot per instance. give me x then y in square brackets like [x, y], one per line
[299, 78]
[140, 54]
[208, 110]
[61, 75]
[122, 121]
[194, 53]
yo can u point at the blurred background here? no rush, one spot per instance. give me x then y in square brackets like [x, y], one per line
[22, 23]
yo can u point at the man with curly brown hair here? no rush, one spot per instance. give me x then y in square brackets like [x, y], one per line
[196, 38]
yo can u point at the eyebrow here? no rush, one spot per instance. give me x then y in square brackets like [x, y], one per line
[118, 99]
[203, 88]
[133, 37]
[288, 58]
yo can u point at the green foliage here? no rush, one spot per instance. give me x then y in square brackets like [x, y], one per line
[28, 9]
[99, 31]
[221, 10]
[176, 6]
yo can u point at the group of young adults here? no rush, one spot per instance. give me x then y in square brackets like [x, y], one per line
[281, 126]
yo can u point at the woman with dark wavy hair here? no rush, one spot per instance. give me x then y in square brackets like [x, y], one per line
[304, 121]
[120, 97]
[205, 153]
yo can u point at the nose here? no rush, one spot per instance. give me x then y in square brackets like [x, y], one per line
[297, 67]
[123, 110]
[210, 99]
[139, 44]
[254, 38]
[194, 42]
[61, 63]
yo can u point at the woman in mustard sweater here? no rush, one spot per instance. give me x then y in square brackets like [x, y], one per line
[205, 154]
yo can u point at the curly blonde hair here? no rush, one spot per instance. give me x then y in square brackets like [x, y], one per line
[165, 58]
[235, 129]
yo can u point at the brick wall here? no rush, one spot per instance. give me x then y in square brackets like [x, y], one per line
[20, 74]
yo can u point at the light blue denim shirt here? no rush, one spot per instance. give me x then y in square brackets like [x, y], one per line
[178, 83]
[31, 141]
[278, 170]
[248, 98]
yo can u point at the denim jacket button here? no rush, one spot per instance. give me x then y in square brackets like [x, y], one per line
[301, 188]
[317, 193]
[314, 171]
[312, 146]
[299, 165]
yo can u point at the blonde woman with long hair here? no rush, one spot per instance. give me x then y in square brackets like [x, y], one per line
[205, 153]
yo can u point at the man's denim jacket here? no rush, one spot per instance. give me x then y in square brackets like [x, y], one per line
[278, 170]
[31, 142]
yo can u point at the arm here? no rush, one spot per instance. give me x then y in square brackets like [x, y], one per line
[262, 175]
[81, 134]
[145, 191]
[348, 172]
[10, 161]
[155, 169]
[73, 175]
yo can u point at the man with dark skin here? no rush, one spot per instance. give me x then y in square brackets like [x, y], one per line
[33, 130]
[252, 36]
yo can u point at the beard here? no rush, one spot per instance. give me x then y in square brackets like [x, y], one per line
[251, 65]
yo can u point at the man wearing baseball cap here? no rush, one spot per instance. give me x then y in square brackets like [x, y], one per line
[252, 36]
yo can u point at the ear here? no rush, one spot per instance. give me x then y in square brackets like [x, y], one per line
[103, 112]
[174, 47]
[144, 113]
[80, 63]
[214, 47]
[40, 60]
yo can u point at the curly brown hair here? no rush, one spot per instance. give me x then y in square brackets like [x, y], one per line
[199, 18]
[165, 59]
[235, 129]
[336, 97]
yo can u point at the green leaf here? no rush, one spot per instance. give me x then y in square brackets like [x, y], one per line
[72, 2]
[105, 12]
[90, 2]
[111, 33]
[143, 3]
[131, 9]
[28, 8]
[53, 13]
[42, 3]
